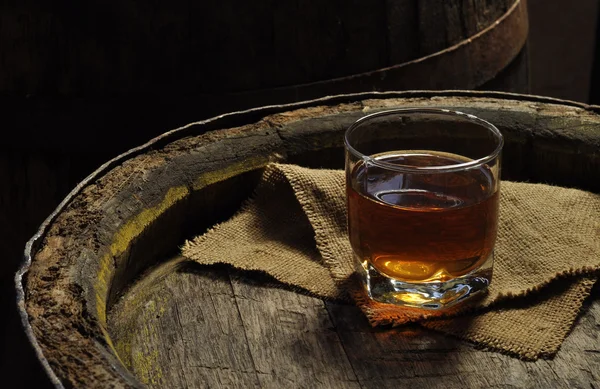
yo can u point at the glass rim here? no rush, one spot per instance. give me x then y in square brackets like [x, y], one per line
[439, 169]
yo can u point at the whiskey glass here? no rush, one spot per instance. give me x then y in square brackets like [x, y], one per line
[422, 189]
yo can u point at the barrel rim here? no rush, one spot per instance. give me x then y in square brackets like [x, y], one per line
[221, 122]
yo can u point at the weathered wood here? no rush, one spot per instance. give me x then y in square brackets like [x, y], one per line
[132, 216]
[302, 339]
[197, 313]
[417, 358]
[205, 328]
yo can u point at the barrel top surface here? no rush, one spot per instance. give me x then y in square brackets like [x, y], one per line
[92, 290]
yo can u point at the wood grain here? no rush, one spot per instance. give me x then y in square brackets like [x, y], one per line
[203, 326]
[198, 315]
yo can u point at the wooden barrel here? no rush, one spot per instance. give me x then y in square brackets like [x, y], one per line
[93, 62]
[94, 49]
[106, 300]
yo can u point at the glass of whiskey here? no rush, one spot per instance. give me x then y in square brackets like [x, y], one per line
[422, 189]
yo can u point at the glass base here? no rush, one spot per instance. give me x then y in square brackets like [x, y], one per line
[432, 295]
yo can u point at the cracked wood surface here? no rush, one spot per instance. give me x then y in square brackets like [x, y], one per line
[187, 325]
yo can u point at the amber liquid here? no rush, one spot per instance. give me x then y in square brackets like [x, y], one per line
[422, 227]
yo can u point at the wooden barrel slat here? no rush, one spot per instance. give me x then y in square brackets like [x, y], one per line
[107, 304]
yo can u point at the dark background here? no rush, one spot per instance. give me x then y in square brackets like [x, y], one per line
[40, 165]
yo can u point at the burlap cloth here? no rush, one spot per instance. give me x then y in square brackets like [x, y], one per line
[547, 257]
